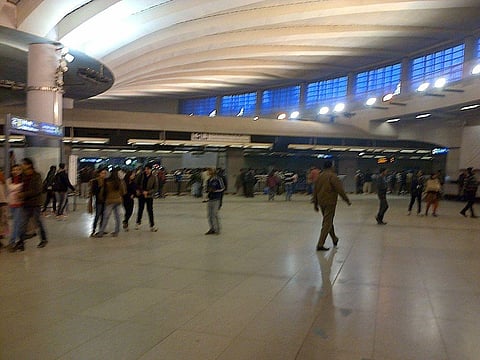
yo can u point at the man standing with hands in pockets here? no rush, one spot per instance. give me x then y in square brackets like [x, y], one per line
[327, 188]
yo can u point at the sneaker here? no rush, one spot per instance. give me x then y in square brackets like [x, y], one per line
[42, 244]
[153, 229]
[114, 234]
[137, 226]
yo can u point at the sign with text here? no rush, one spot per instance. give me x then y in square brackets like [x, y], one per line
[32, 127]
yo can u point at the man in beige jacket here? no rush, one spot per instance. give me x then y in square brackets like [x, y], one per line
[327, 188]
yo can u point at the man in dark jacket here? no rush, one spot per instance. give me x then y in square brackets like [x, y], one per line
[147, 186]
[31, 196]
[215, 189]
[469, 192]
[61, 185]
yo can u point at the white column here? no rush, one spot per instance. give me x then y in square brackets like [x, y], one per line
[44, 98]
[44, 103]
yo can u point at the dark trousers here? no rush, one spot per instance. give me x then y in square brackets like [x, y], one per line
[415, 195]
[469, 206]
[128, 206]
[34, 214]
[50, 196]
[99, 209]
[328, 213]
[142, 201]
[382, 208]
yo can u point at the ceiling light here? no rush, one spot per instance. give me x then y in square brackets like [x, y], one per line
[421, 116]
[407, 151]
[470, 107]
[423, 87]
[324, 110]
[393, 120]
[387, 97]
[282, 116]
[476, 70]
[69, 57]
[440, 83]
[423, 151]
[294, 115]
[339, 107]
[371, 101]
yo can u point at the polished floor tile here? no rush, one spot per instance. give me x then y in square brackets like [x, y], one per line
[259, 290]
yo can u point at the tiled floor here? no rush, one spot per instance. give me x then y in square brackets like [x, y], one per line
[408, 290]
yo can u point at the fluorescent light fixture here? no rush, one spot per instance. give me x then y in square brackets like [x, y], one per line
[324, 110]
[414, 157]
[440, 83]
[339, 148]
[423, 87]
[13, 138]
[423, 151]
[393, 120]
[143, 141]
[476, 70]
[356, 149]
[470, 107]
[408, 151]
[260, 146]
[339, 107]
[128, 150]
[90, 150]
[163, 151]
[109, 150]
[86, 140]
[321, 148]
[367, 156]
[300, 146]
[282, 116]
[371, 101]
[294, 115]
[145, 151]
[426, 158]
[422, 116]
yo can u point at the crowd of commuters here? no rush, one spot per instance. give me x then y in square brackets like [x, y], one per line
[24, 197]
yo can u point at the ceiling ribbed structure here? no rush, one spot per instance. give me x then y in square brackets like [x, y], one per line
[188, 48]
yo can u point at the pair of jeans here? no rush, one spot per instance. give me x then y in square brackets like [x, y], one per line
[288, 191]
[109, 208]
[61, 197]
[99, 209]
[50, 197]
[213, 205]
[142, 201]
[128, 206]
[415, 195]
[16, 213]
[383, 208]
[32, 213]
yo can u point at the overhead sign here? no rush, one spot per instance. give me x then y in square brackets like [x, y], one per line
[220, 137]
[32, 127]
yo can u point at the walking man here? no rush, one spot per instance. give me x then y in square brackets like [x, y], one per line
[469, 191]
[31, 196]
[327, 188]
[147, 186]
[215, 189]
[382, 188]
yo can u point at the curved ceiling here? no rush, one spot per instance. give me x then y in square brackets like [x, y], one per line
[187, 48]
